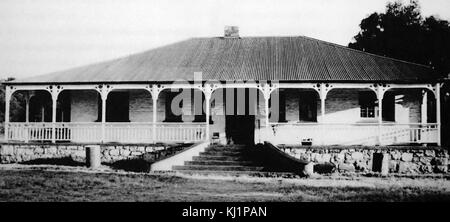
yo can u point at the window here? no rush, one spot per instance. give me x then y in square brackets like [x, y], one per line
[117, 107]
[367, 105]
[197, 106]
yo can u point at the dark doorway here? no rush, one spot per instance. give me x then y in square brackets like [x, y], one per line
[308, 107]
[240, 124]
[63, 108]
[240, 129]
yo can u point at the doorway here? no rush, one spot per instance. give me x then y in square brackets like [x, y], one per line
[240, 116]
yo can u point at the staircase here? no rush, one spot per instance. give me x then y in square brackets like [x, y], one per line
[224, 160]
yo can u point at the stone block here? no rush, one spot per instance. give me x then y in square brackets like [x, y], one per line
[407, 157]
[393, 166]
[323, 158]
[50, 150]
[357, 156]
[385, 164]
[39, 150]
[425, 160]
[440, 169]
[346, 167]
[309, 169]
[440, 161]
[136, 153]
[407, 167]
[426, 169]
[125, 152]
[395, 155]
[429, 153]
[149, 149]
[114, 152]
[339, 157]
[361, 165]
[6, 150]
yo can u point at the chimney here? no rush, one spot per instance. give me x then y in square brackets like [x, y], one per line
[231, 32]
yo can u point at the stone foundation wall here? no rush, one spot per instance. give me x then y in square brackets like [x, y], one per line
[402, 160]
[16, 153]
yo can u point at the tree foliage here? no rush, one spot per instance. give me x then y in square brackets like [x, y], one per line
[401, 32]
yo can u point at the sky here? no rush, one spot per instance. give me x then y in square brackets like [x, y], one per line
[42, 36]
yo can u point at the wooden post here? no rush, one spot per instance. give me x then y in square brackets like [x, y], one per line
[323, 96]
[27, 107]
[27, 116]
[380, 95]
[155, 90]
[207, 113]
[8, 94]
[266, 110]
[438, 112]
[155, 116]
[54, 104]
[104, 97]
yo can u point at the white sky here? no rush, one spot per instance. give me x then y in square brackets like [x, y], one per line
[41, 36]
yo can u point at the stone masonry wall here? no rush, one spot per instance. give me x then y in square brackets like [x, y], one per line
[402, 160]
[16, 153]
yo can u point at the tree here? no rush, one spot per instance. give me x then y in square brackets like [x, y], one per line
[401, 32]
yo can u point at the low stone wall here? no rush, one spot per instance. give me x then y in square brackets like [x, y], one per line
[402, 160]
[21, 152]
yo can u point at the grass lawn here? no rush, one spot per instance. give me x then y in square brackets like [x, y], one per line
[42, 185]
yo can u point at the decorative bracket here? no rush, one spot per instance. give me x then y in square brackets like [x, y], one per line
[54, 91]
[208, 89]
[380, 90]
[323, 89]
[104, 90]
[436, 89]
[9, 91]
[267, 89]
[155, 90]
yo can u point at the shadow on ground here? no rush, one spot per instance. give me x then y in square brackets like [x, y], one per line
[64, 161]
[133, 165]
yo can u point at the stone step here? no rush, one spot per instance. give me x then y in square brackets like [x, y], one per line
[219, 163]
[227, 149]
[218, 168]
[238, 173]
[223, 153]
[219, 158]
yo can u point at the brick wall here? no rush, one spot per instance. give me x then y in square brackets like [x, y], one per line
[84, 106]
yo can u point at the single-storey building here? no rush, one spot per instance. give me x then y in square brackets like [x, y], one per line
[285, 90]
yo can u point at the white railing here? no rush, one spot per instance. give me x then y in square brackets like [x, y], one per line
[409, 133]
[352, 134]
[177, 132]
[129, 133]
[78, 132]
[29, 131]
[113, 132]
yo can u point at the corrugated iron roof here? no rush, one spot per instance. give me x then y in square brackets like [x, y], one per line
[249, 58]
